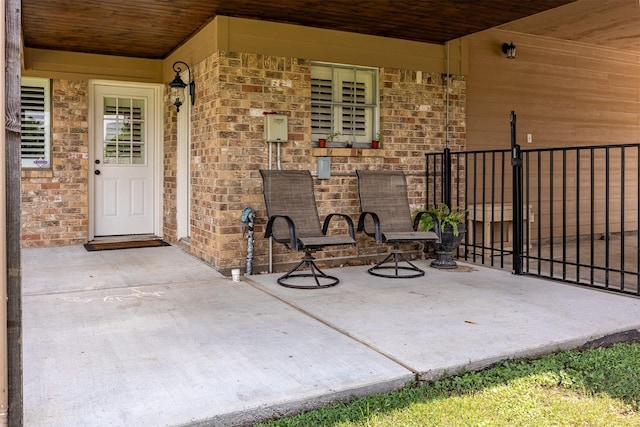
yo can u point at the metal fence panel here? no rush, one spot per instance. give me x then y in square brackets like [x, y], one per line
[580, 211]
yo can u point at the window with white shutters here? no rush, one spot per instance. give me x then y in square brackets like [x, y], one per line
[344, 100]
[35, 115]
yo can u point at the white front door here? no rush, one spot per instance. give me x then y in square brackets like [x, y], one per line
[124, 144]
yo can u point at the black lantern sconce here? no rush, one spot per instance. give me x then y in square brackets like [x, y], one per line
[509, 49]
[177, 86]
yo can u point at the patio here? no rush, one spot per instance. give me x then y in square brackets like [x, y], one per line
[156, 337]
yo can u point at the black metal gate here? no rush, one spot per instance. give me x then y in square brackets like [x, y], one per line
[579, 219]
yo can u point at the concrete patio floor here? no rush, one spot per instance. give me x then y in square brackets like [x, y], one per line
[155, 337]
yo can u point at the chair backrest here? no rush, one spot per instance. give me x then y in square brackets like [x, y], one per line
[385, 194]
[291, 193]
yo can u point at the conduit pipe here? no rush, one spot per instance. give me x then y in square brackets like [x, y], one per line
[279, 167]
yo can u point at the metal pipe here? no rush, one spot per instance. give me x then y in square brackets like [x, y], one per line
[270, 255]
[539, 211]
[564, 215]
[527, 202]
[551, 225]
[278, 165]
[517, 198]
[493, 201]
[606, 216]
[622, 208]
[447, 108]
[502, 171]
[248, 216]
[483, 188]
[446, 172]
[578, 213]
[592, 209]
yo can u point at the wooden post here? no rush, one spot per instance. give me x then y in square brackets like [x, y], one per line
[4, 368]
[13, 177]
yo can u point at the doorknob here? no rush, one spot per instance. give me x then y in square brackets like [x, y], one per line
[97, 172]
[97, 161]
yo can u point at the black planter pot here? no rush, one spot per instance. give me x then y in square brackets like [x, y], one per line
[447, 246]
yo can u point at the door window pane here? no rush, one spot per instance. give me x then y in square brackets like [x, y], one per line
[124, 131]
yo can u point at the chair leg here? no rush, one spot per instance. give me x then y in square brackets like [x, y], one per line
[396, 256]
[321, 279]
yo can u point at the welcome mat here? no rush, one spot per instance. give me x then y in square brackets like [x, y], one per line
[109, 246]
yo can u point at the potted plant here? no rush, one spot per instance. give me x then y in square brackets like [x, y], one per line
[322, 142]
[375, 143]
[449, 225]
[332, 136]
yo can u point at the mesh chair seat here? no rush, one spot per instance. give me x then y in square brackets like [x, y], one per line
[409, 236]
[320, 242]
[386, 216]
[293, 221]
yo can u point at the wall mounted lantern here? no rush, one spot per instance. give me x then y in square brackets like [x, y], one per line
[509, 49]
[177, 86]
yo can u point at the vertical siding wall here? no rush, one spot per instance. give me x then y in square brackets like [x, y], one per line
[54, 200]
[565, 95]
[234, 89]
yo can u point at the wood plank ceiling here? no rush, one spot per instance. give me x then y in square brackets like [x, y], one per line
[607, 23]
[153, 28]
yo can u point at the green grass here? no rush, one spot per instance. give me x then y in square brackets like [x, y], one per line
[599, 387]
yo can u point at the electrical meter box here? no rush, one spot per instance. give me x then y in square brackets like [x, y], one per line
[324, 167]
[276, 128]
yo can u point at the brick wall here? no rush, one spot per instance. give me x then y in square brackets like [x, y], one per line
[54, 201]
[233, 92]
[235, 89]
[169, 182]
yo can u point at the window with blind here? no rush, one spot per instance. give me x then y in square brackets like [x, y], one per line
[344, 100]
[35, 115]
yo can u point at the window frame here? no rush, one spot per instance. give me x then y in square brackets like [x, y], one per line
[326, 75]
[43, 161]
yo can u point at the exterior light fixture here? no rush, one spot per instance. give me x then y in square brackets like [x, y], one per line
[509, 49]
[177, 86]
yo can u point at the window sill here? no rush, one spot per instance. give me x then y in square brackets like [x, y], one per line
[347, 152]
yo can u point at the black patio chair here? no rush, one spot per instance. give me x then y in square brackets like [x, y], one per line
[386, 216]
[294, 221]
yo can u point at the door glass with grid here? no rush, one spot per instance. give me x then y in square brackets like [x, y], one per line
[124, 131]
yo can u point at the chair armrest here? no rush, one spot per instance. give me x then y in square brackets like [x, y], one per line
[436, 225]
[376, 225]
[416, 220]
[347, 219]
[293, 239]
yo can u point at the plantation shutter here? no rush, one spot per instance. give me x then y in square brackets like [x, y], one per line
[321, 102]
[356, 96]
[35, 123]
[344, 100]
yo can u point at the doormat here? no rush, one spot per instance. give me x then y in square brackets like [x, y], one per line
[109, 246]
